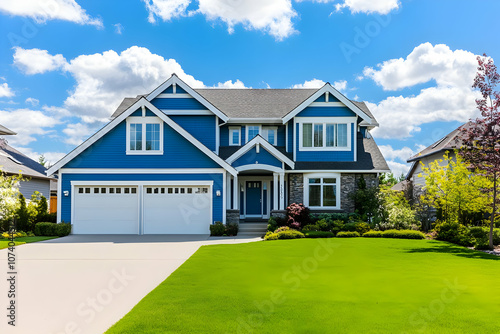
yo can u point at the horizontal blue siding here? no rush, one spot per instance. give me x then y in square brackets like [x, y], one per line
[290, 136]
[202, 127]
[322, 98]
[326, 112]
[110, 152]
[178, 104]
[216, 178]
[224, 135]
[170, 90]
[325, 155]
[262, 158]
[138, 113]
[281, 135]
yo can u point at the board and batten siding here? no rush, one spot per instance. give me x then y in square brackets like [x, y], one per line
[110, 152]
[217, 178]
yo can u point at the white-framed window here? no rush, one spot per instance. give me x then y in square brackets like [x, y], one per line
[144, 135]
[329, 134]
[235, 136]
[322, 191]
[270, 133]
[252, 131]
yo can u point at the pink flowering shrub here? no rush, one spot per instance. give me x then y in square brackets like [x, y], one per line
[297, 215]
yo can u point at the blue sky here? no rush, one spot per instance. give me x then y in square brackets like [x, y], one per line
[65, 67]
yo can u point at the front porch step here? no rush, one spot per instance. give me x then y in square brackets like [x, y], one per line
[253, 228]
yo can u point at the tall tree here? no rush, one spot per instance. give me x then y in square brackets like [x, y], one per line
[42, 161]
[481, 140]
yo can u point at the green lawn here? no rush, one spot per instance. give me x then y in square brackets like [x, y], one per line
[297, 286]
[4, 243]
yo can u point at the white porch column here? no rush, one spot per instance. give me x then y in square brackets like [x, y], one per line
[282, 191]
[228, 190]
[236, 191]
[275, 191]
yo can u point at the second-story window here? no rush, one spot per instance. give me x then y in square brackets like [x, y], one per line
[270, 134]
[234, 136]
[144, 135]
[253, 130]
[325, 135]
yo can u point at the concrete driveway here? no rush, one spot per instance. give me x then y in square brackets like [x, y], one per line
[85, 283]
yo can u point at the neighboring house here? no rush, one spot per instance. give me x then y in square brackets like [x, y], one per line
[179, 159]
[13, 162]
[436, 151]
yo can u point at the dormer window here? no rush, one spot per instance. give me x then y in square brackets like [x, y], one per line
[329, 135]
[252, 131]
[235, 136]
[144, 135]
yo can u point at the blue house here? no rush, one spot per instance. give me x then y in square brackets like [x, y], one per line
[178, 159]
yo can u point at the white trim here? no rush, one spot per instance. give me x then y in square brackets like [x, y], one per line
[246, 131]
[337, 176]
[255, 120]
[325, 120]
[282, 191]
[294, 132]
[99, 134]
[59, 196]
[327, 104]
[327, 97]
[265, 133]
[142, 170]
[143, 183]
[328, 88]
[242, 184]
[339, 171]
[235, 205]
[356, 140]
[270, 148]
[174, 88]
[143, 121]
[275, 191]
[195, 112]
[174, 96]
[225, 197]
[234, 128]
[259, 167]
[286, 137]
[175, 80]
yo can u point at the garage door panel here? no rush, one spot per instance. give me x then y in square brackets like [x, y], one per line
[106, 210]
[177, 210]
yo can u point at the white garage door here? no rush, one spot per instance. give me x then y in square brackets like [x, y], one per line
[177, 209]
[106, 210]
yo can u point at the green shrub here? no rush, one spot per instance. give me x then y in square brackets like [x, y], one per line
[349, 227]
[454, 232]
[272, 224]
[324, 224]
[372, 234]
[319, 234]
[344, 217]
[232, 229]
[403, 234]
[361, 227]
[217, 229]
[348, 234]
[282, 228]
[271, 236]
[337, 226]
[308, 228]
[480, 237]
[52, 229]
[290, 234]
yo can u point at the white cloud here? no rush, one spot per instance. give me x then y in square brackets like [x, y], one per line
[78, 132]
[50, 157]
[41, 11]
[452, 99]
[28, 124]
[118, 28]
[31, 100]
[402, 154]
[363, 6]
[36, 61]
[166, 9]
[340, 85]
[425, 63]
[398, 168]
[231, 84]
[5, 90]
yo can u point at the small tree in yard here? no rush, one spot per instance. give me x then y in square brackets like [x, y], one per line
[9, 193]
[481, 141]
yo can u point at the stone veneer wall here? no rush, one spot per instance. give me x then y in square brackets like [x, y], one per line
[349, 184]
[295, 188]
[232, 216]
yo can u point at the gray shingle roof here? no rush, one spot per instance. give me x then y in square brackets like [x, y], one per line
[14, 162]
[250, 103]
[369, 158]
[448, 142]
[5, 131]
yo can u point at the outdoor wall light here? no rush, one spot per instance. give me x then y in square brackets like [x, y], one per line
[66, 193]
[217, 193]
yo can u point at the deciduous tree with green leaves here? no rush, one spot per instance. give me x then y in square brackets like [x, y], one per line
[453, 188]
[9, 194]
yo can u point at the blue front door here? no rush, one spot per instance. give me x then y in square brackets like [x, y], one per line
[254, 193]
